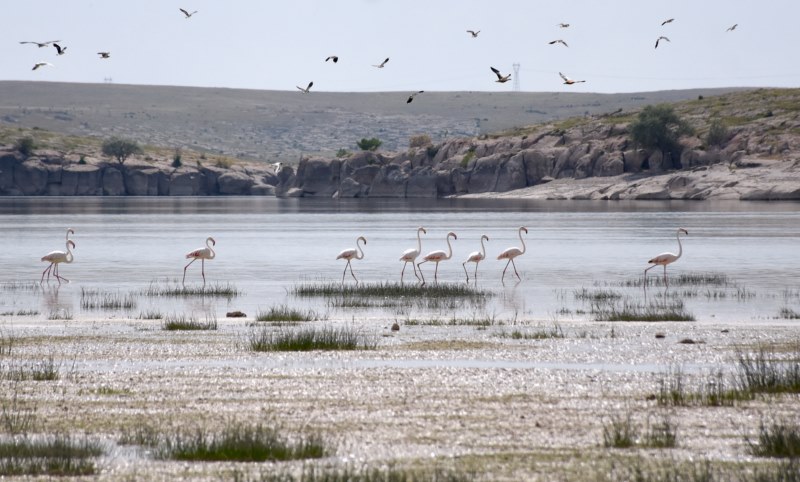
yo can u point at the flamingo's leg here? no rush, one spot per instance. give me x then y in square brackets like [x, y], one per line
[666, 281]
[464, 265]
[476, 272]
[203, 270]
[184, 269]
[345, 271]
[415, 270]
[59, 277]
[351, 271]
[420, 271]
[504, 270]
[403, 272]
[515, 269]
[436, 273]
[46, 270]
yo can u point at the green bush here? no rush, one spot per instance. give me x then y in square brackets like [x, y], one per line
[342, 153]
[659, 127]
[369, 144]
[120, 149]
[176, 159]
[419, 140]
[25, 146]
[717, 134]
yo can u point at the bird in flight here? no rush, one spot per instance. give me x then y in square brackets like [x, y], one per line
[335, 58]
[669, 20]
[563, 25]
[104, 55]
[569, 81]
[307, 89]
[659, 39]
[382, 64]
[61, 50]
[41, 64]
[186, 13]
[411, 97]
[501, 78]
[474, 33]
[41, 44]
[559, 41]
[732, 27]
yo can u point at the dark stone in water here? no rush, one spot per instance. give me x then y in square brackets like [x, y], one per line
[235, 314]
[395, 327]
[660, 335]
[689, 341]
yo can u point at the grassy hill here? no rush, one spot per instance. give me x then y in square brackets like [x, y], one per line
[282, 126]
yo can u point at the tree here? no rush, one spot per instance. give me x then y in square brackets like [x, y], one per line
[659, 127]
[120, 149]
[369, 144]
[25, 146]
[717, 134]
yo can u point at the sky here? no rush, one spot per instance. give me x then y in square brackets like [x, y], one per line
[280, 44]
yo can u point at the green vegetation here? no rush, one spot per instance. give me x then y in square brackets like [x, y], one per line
[789, 314]
[343, 154]
[765, 373]
[420, 140]
[25, 146]
[659, 127]
[308, 339]
[51, 456]
[780, 439]
[468, 157]
[540, 333]
[176, 159]
[717, 134]
[184, 323]
[394, 294]
[369, 144]
[120, 149]
[151, 314]
[101, 300]
[620, 432]
[175, 290]
[667, 310]
[284, 313]
[313, 473]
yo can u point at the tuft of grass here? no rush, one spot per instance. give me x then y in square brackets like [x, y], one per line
[308, 339]
[540, 333]
[16, 417]
[284, 313]
[142, 434]
[182, 322]
[242, 444]
[60, 314]
[226, 290]
[100, 300]
[389, 289]
[585, 294]
[45, 370]
[661, 434]
[780, 440]
[20, 286]
[151, 314]
[620, 432]
[683, 279]
[713, 392]
[789, 314]
[765, 373]
[312, 473]
[50, 456]
[480, 322]
[667, 310]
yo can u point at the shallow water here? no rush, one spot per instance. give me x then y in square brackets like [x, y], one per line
[266, 246]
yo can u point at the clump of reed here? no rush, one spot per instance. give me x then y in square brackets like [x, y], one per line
[175, 290]
[44, 370]
[20, 286]
[188, 323]
[540, 333]
[103, 300]
[478, 321]
[764, 372]
[59, 455]
[778, 439]
[682, 279]
[788, 313]
[622, 432]
[283, 313]
[308, 339]
[150, 314]
[666, 310]
[596, 295]
[313, 473]
[389, 290]
[60, 314]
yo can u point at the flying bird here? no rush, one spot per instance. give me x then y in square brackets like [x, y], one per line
[513, 252]
[41, 44]
[569, 81]
[563, 25]
[104, 55]
[202, 254]
[61, 50]
[559, 41]
[307, 89]
[410, 255]
[41, 64]
[669, 20]
[351, 254]
[57, 257]
[335, 58]
[475, 257]
[411, 97]
[501, 78]
[186, 13]
[732, 27]
[659, 39]
[664, 259]
[474, 33]
[437, 257]
[382, 64]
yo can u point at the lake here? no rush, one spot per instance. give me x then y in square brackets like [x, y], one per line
[266, 247]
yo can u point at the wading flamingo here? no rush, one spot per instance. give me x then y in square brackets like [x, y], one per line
[57, 257]
[410, 255]
[511, 253]
[437, 257]
[351, 254]
[202, 254]
[476, 257]
[664, 259]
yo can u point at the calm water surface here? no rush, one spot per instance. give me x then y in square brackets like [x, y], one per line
[266, 246]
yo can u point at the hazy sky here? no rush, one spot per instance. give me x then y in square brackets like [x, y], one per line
[278, 44]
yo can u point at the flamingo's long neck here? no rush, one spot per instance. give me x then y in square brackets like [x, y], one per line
[680, 247]
[483, 249]
[419, 241]
[208, 245]
[449, 249]
[522, 241]
[69, 256]
[358, 245]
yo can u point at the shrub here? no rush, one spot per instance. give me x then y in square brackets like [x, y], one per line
[717, 134]
[25, 146]
[120, 149]
[419, 140]
[369, 144]
[176, 159]
[659, 127]
[82, 160]
[341, 153]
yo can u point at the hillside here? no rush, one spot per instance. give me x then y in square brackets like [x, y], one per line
[283, 126]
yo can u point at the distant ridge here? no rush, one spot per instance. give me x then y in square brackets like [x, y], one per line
[285, 125]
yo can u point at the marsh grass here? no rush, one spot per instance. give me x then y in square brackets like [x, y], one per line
[150, 314]
[389, 290]
[17, 417]
[660, 434]
[667, 310]
[20, 286]
[712, 392]
[184, 323]
[308, 339]
[620, 432]
[313, 473]
[789, 314]
[779, 439]
[241, 443]
[765, 373]
[585, 294]
[44, 370]
[142, 434]
[682, 279]
[284, 313]
[6, 344]
[20, 313]
[162, 289]
[540, 333]
[62, 314]
[479, 321]
[50, 456]
[103, 300]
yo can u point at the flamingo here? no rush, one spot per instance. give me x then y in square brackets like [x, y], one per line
[476, 257]
[351, 254]
[411, 97]
[569, 81]
[41, 44]
[559, 41]
[474, 33]
[511, 253]
[186, 13]
[56, 257]
[202, 254]
[382, 64]
[501, 78]
[664, 259]
[659, 39]
[335, 58]
[104, 55]
[41, 64]
[307, 89]
[61, 50]
[437, 257]
[669, 20]
[410, 255]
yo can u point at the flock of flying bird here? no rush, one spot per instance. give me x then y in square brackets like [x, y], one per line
[409, 256]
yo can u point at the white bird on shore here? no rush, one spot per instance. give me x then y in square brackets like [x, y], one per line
[41, 44]
[57, 257]
[513, 252]
[659, 39]
[437, 257]
[476, 257]
[410, 255]
[41, 64]
[202, 254]
[307, 89]
[351, 254]
[664, 259]
[382, 64]
[186, 13]
[501, 78]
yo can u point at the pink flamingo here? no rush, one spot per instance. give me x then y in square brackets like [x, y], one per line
[351, 254]
[410, 255]
[437, 257]
[202, 254]
[664, 259]
[511, 253]
[476, 257]
[57, 257]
